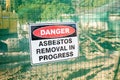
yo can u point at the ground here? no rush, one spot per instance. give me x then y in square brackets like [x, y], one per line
[16, 66]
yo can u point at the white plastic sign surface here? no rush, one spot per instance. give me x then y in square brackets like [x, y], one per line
[53, 42]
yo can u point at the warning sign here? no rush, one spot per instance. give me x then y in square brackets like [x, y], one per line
[53, 42]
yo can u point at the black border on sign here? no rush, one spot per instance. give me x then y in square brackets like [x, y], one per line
[40, 26]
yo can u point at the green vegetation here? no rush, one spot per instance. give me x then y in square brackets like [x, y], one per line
[37, 10]
[93, 3]
[42, 10]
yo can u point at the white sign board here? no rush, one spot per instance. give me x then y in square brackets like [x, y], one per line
[53, 42]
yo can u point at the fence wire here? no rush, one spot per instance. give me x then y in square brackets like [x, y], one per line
[98, 25]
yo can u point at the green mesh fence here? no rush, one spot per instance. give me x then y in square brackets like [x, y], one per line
[98, 24]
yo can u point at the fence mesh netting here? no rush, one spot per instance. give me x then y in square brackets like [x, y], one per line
[98, 23]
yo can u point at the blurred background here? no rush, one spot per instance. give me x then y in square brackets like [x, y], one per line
[99, 39]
